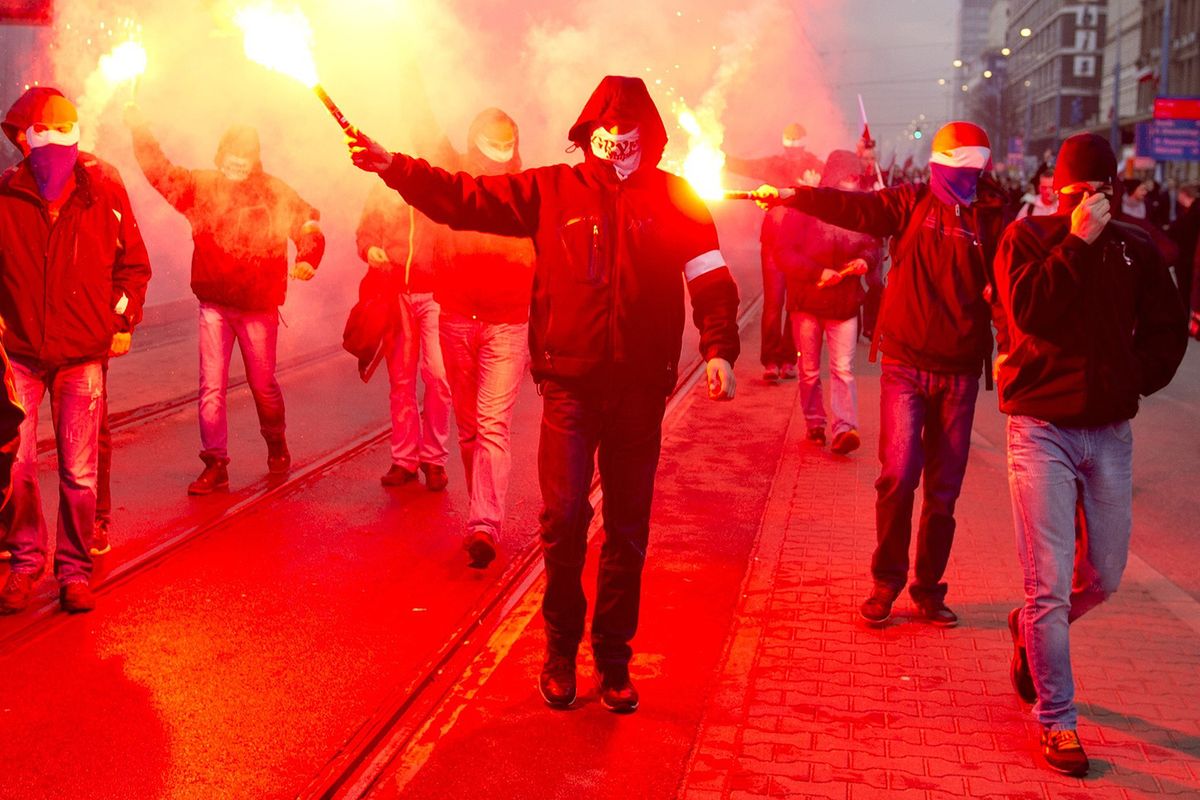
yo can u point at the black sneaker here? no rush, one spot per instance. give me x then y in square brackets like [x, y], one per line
[215, 477]
[845, 442]
[435, 477]
[877, 609]
[481, 549]
[816, 436]
[16, 593]
[1018, 671]
[76, 598]
[557, 682]
[617, 692]
[1064, 753]
[937, 614]
[279, 460]
[398, 476]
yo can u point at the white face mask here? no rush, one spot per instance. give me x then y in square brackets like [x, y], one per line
[41, 138]
[622, 150]
[236, 168]
[500, 152]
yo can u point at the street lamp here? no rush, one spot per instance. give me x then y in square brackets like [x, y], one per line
[1026, 33]
[957, 63]
[1006, 51]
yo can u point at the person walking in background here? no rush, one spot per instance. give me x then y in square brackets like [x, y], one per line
[793, 166]
[66, 308]
[823, 265]
[1092, 321]
[402, 243]
[935, 334]
[1185, 232]
[1045, 199]
[613, 235]
[241, 219]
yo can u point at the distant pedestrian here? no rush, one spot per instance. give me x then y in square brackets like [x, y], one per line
[72, 286]
[1092, 321]
[1185, 232]
[824, 266]
[935, 334]
[241, 219]
[794, 165]
[1045, 199]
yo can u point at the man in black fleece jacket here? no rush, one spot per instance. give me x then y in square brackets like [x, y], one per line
[616, 238]
[1092, 322]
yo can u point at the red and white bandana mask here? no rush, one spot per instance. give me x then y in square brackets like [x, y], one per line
[622, 150]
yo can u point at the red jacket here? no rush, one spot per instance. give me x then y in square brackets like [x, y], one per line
[936, 313]
[611, 255]
[1089, 327]
[61, 283]
[240, 230]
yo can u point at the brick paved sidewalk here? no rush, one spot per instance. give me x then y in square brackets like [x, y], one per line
[810, 703]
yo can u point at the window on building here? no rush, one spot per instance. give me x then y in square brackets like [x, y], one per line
[1085, 66]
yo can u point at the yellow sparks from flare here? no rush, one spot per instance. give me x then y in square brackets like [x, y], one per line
[705, 162]
[280, 40]
[126, 62]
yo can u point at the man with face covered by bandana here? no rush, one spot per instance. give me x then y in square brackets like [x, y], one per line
[1093, 322]
[616, 240]
[471, 331]
[935, 334]
[242, 219]
[73, 274]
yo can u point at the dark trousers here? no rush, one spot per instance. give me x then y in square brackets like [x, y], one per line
[616, 424]
[778, 346]
[924, 438]
[104, 459]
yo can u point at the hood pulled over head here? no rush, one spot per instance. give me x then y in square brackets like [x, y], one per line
[624, 103]
[493, 144]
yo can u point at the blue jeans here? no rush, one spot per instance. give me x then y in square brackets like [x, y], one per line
[485, 363]
[256, 334]
[76, 401]
[1072, 499]
[810, 332]
[610, 421]
[925, 435]
[420, 433]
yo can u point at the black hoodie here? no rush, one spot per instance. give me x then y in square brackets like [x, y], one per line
[612, 255]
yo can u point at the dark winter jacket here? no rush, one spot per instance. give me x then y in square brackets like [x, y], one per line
[62, 282]
[805, 247]
[1089, 327]
[935, 313]
[240, 229]
[612, 255]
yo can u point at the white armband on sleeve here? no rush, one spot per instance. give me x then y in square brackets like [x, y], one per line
[122, 304]
[705, 262]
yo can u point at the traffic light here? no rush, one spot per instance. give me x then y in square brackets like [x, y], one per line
[917, 134]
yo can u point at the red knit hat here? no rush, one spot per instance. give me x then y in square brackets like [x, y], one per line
[39, 104]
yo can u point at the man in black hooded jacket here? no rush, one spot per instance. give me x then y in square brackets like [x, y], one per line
[613, 236]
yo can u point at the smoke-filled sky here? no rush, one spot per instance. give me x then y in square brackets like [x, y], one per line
[749, 68]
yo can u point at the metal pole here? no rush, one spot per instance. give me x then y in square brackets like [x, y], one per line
[1114, 136]
[1164, 68]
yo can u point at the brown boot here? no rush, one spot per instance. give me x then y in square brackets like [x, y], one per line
[17, 591]
[215, 477]
[76, 598]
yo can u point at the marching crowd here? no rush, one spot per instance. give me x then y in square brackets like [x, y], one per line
[479, 269]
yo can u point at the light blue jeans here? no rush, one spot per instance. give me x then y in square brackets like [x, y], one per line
[420, 434]
[1072, 499]
[76, 400]
[810, 331]
[257, 335]
[485, 363]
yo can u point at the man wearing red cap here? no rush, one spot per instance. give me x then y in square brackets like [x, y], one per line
[935, 333]
[242, 219]
[614, 235]
[1092, 321]
[71, 291]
